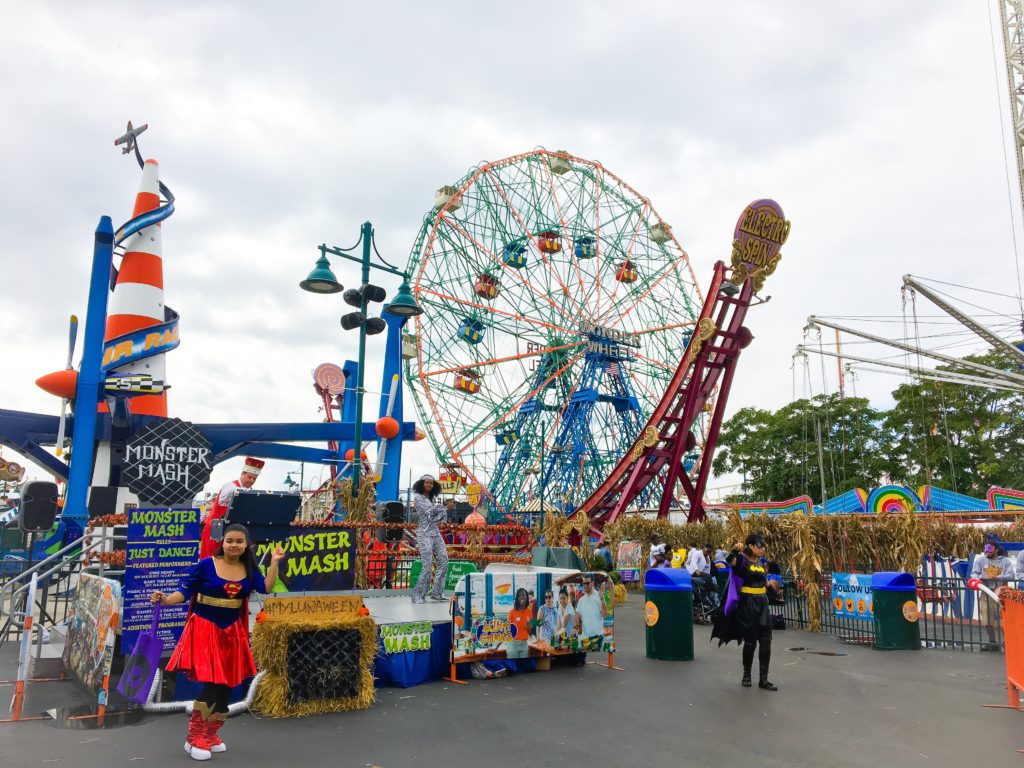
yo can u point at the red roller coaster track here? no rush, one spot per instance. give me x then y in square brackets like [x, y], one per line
[657, 455]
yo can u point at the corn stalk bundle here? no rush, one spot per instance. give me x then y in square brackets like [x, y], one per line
[360, 510]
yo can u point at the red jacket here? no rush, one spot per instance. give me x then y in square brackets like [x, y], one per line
[207, 546]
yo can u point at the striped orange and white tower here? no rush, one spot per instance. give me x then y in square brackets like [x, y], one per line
[137, 301]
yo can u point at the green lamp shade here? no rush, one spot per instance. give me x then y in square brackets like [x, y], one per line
[321, 279]
[404, 305]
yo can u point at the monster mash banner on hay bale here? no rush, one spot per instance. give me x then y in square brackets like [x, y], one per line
[315, 560]
[521, 614]
[89, 650]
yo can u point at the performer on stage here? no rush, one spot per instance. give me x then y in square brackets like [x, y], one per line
[746, 616]
[250, 471]
[428, 538]
[214, 646]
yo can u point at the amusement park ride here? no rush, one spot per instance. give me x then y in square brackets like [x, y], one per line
[566, 348]
[564, 344]
[119, 389]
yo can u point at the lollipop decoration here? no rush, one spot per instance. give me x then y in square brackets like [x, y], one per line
[329, 378]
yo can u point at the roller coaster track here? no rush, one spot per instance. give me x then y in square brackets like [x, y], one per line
[709, 362]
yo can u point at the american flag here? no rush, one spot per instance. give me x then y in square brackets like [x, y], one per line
[612, 368]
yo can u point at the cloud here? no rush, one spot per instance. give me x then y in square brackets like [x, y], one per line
[279, 128]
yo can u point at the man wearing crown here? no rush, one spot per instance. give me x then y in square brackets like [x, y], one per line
[250, 471]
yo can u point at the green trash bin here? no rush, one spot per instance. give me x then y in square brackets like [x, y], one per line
[894, 604]
[669, 614]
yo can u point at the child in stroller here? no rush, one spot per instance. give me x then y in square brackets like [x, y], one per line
[705, 598]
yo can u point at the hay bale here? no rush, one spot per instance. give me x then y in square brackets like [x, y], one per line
[270, 648]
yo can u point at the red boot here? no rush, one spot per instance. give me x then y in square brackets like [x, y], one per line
[197, 745]
[215, 724]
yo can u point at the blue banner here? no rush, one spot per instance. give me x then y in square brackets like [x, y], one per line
[140, 344]
[163, 544]
[851, 595]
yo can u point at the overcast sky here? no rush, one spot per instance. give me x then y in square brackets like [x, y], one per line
[876, 125]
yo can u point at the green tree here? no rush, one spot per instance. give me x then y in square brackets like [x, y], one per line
[777, 453]
[963, 438]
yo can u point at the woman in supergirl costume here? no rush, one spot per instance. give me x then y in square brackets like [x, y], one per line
[746, 616]
[214, 646]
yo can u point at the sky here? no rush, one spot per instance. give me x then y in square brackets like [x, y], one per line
[876, 125]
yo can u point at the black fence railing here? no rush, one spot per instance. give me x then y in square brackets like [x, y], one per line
[796, 614]
[389, 570]
[950, 614]
[955, 617]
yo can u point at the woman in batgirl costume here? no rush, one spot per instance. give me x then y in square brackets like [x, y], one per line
[745, 616]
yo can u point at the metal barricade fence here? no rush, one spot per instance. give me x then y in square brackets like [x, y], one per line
[99, 551]
[1013, 614]
[949, 614]
[952, 616]
[797, 614]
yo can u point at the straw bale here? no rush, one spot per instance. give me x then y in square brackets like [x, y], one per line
[270, 651]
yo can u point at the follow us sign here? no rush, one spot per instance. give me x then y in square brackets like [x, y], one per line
[851, 595]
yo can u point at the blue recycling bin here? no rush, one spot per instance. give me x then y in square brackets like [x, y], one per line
[668, 613]
[894, 602]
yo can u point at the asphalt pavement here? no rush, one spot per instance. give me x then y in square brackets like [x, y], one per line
[837, 706]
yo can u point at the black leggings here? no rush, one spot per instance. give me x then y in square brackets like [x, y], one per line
[761, 636]
[215, 696]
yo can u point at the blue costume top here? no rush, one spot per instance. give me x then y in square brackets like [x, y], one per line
[215, 599]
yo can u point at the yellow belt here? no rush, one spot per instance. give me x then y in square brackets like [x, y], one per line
[236, 602]
[753, 590]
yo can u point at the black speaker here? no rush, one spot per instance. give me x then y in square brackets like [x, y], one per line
[102, 500]
[392, 512]
[38, 507]
[460, 513]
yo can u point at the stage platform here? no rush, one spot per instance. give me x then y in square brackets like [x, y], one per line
[396, 607]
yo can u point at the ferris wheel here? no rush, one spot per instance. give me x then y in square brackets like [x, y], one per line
[557, 304]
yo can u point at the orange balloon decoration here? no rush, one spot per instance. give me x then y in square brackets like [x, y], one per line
[351, 453]
[388, 427]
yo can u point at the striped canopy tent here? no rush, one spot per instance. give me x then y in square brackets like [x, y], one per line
[534, 506]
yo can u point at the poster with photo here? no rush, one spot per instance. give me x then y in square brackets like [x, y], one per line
[89, 650]
[518, 614]
[627, 560]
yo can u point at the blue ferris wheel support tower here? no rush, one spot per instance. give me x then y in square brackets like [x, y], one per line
[522, 440]
[554, 435]
[575, 454]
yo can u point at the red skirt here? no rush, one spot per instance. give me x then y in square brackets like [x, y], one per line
[209, 654]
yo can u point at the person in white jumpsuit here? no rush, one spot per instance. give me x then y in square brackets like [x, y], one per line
[433, 552]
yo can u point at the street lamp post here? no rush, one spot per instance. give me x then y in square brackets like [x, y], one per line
[322, 280]
[289, 481]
